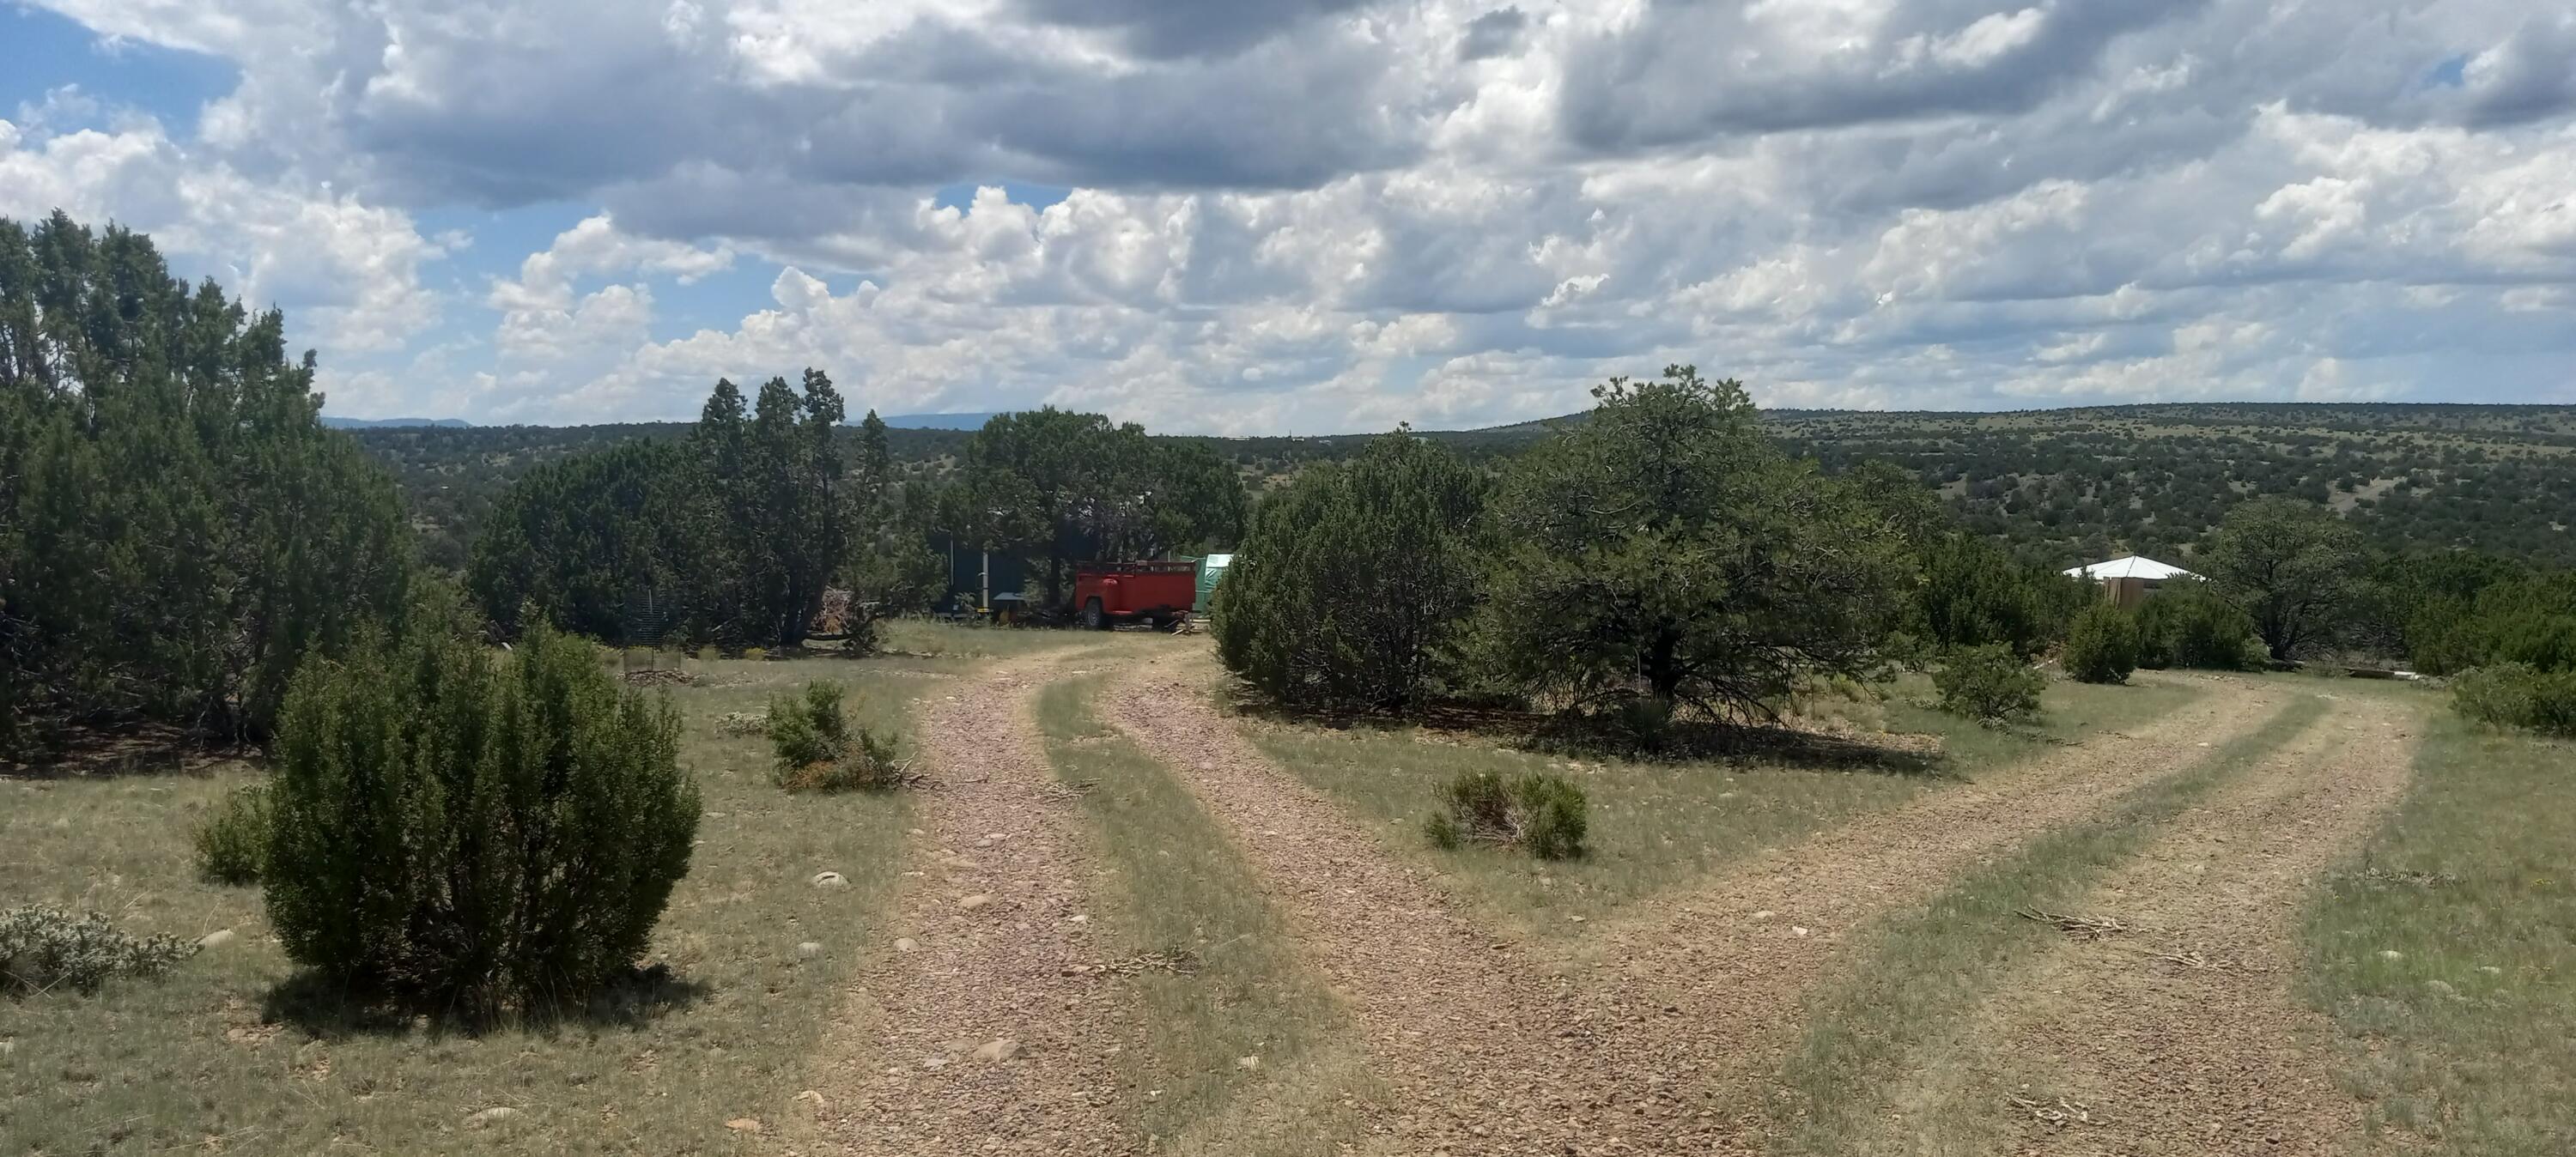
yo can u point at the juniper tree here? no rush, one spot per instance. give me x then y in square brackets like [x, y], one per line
[1350, 589]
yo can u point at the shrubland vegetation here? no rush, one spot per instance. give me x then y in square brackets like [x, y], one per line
[1365, 579]
[177, 529]
[465, 834]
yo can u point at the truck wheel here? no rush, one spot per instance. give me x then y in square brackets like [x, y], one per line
[1092, 619]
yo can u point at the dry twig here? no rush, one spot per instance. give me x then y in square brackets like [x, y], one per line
[1180, 963]
[2089, 927]
[2057, 1116]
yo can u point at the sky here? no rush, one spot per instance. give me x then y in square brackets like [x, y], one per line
[1312, 216]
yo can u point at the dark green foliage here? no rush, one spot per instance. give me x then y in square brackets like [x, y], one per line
[1539, 813]
[1060, 487]
[43, 949]
[575, 540]
[2293, 568]
[2101, 645]
[1349, 591]
[1988, 681]
[2513, 694]
[1664, 545]
[2529, 620]
[1973, 593]
[177, 529]
[729, 536]
[820, 750]
[891, 569]
[233, 842]
[2183, 625]
[458, 830]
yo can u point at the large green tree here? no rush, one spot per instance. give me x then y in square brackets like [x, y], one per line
[1665, 546]
[731, 536]
[177, 528]
[1060, 487]
[2293, 567]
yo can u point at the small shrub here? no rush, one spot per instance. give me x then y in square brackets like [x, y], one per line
[742, 723]
[708, 654]
[44, 948]
[2101, 645]
[755, 654]
[1539, 813]
[233, 842]
[459, 832]
[2518, 695]
[1988, 682]
[820, 750]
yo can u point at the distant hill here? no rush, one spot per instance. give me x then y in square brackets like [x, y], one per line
[938, 421]
[2063, 486]
[339, 423]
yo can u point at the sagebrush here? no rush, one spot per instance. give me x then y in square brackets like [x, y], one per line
[469, 832]
[1544, 815]
[819, 749]
[44, 948]
[1988, 682]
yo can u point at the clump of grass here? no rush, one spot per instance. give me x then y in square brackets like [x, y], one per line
[232, 844]
[44, 948]
[1539, 813]
[2443, 955]
[819, 749]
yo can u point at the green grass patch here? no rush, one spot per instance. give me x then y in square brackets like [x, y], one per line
[1655, 826]
[1917, 975]
[2464, 1039]
[1179, 888]
[193, 1061]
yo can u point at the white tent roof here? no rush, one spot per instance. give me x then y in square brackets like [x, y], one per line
[2128, 566]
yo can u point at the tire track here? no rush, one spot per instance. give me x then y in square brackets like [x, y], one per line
[988, 932]
[1487, 1048]
[2181, 1036]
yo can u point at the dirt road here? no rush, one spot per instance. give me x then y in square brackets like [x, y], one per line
[972, 1036]
[1492, 1049]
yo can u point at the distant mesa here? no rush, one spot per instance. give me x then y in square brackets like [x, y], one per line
[338, 423]
[937, 421]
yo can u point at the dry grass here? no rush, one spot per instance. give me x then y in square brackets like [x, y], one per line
[196, 1061]
[1657, 826]
[1215, 970]
[2446, 956]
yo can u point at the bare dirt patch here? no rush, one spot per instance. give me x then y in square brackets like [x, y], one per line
[981, 1025]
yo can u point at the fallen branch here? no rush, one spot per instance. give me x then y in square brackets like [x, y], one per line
[2089, 927]
[2057, 1116]
[1181, 963]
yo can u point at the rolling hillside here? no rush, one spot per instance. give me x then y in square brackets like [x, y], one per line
[2063, 485]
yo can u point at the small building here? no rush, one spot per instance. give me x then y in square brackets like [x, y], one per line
[2129, 579]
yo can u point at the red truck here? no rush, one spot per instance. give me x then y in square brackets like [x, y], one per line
[1108, 593]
